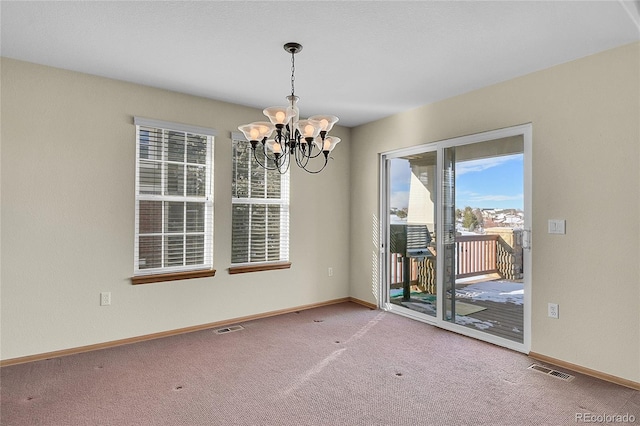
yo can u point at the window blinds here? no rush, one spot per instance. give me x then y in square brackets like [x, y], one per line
[260, 214]
[174, 198]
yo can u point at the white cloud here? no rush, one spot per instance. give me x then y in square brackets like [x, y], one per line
[484, 163]
[399, 199]
[479, 197]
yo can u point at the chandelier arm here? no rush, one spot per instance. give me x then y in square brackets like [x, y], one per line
[284, 157]
[264, 166]
[302, 163]
[326, 161]
[302, 156]
[278, 161]
[282, 141]
[286, 161]
[311, 149]
[282, 163]
[323, 135]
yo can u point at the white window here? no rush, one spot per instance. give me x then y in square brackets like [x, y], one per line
[260, 218]
[174, 198]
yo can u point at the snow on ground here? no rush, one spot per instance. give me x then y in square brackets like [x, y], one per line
[479, 324]
[494, 291]
[425, 308]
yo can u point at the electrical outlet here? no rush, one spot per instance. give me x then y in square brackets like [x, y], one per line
[330, 271]
[552, 310]
[105, 298]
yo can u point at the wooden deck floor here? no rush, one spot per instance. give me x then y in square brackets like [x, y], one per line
[502, 319]
[506, 319]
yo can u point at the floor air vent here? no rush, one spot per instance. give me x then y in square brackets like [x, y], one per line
[550, 372]
[229, 329]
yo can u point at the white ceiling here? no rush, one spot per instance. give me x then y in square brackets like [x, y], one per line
[361, 60]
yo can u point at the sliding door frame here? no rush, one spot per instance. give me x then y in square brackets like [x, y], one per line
[385, 255]
[524, 130]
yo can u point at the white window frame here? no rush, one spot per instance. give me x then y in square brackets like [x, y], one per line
[207, 199]
[283, 201]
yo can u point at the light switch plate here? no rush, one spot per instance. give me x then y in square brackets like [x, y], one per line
[557, 226]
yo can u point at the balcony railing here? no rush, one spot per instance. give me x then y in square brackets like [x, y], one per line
[475, 255]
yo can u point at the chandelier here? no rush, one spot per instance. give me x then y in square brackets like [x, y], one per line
[294, 139]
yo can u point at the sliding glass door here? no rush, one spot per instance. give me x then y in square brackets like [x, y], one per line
[411, 219]
[455, 234]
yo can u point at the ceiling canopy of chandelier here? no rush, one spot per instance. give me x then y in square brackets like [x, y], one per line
[293, 139]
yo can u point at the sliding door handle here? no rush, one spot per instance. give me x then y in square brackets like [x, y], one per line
[526, 239]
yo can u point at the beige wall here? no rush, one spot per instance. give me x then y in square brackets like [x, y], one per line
[586, 149]
[68, 160]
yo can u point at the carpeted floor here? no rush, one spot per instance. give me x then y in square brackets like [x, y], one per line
[336, 365]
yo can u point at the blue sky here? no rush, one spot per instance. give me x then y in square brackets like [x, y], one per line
[495, 182]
